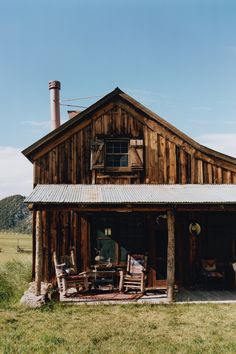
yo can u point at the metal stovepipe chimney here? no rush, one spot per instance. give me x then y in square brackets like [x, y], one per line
[54, 87]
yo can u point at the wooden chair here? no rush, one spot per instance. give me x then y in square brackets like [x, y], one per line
[67, 277]
[211, 273]
[234, 269]
[135, 275]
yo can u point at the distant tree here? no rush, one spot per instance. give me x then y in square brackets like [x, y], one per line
[14, 214]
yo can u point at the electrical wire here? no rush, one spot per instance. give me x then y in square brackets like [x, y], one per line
[72, 105]
[80, 98]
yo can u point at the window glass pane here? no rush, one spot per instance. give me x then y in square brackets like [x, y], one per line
[124, 148]
[109, 148]
[117, 148]
[117, 160]
[124, 160]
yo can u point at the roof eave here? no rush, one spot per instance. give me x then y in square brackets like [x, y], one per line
[29, 151]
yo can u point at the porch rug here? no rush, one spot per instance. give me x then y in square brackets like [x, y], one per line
[104, 297]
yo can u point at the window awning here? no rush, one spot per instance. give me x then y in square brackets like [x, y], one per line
[149, 194]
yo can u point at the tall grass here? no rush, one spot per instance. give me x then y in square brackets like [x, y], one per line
[8, 247]
[118, 329]
[14, 279]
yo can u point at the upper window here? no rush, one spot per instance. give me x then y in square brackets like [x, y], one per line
[117, 154]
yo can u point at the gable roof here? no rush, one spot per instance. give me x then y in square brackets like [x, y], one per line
[116, 94]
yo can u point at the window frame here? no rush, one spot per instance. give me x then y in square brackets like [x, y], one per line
[117, 168]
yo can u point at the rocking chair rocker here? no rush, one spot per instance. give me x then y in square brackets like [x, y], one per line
[135, 275]
[67, 277]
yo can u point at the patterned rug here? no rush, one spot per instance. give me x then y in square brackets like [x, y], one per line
[104, 297]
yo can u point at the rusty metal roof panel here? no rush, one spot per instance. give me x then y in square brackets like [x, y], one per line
[132, 194]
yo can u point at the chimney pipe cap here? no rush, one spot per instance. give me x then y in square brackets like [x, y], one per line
[54, 85]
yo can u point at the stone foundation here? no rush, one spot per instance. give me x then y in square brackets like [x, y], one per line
[31, 300]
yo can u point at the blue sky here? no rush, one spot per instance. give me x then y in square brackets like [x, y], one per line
[176, 57]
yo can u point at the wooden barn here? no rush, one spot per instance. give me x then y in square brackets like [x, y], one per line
[117, 179]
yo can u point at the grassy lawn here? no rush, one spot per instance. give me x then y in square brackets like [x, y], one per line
[119, 329]
[127, 329]
[8, 247]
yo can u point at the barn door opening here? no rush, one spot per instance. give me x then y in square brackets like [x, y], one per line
[114, 236]
[158, 240]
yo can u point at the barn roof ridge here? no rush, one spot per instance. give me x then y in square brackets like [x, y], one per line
[117, 92]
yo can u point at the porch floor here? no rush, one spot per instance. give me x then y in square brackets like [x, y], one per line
[151, 297]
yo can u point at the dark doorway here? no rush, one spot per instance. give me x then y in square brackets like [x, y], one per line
[115, 235]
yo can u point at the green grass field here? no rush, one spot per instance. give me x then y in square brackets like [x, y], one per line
[8, 247]
[121, 329]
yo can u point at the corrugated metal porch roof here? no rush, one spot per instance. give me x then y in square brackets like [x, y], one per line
[133, 194]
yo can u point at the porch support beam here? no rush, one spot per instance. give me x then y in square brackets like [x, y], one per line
[131, 208]
[171, 256]
[38, 255]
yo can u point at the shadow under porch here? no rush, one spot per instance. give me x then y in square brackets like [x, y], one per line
[115, 234]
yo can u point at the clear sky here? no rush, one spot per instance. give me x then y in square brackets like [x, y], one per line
[177, 57]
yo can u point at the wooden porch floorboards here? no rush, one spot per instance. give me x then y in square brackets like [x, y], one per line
[182, 296]
[201, 296]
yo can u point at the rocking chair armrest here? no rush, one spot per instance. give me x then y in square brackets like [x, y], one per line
[84, 274]
[61, 276]
[61, 265]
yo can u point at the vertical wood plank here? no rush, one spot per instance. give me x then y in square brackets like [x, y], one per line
[172, 163]
[151, 250]
[38, 256]
[146, 154]
[84, 246]
[33, 244]
[162, 175]
[227, 177]
[183, 166]
[44, 246]
[209, 173]
[219, 175]
[171, 256]
[215, 176]
[193, 165]
[189, 168]
[200, 171]
[234, 178]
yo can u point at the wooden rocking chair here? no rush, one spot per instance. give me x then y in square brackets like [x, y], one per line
[135, 275]
[67, 277]
[212, 273]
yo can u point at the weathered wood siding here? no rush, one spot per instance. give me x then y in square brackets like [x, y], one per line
[61, 232]
[168, 159]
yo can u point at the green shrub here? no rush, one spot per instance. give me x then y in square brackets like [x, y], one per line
[14, 279]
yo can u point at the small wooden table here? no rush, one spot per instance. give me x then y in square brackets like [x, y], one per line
[103, 278]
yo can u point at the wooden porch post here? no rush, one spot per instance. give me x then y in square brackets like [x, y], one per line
[171, 256]
[38, 255]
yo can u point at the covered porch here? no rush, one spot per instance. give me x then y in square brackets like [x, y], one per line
[182, 296]
[150, 219]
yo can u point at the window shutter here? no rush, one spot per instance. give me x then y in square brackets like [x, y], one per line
[97, 155]
[136, 154]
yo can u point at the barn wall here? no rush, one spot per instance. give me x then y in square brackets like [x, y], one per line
[167, 158]
[61, 232]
